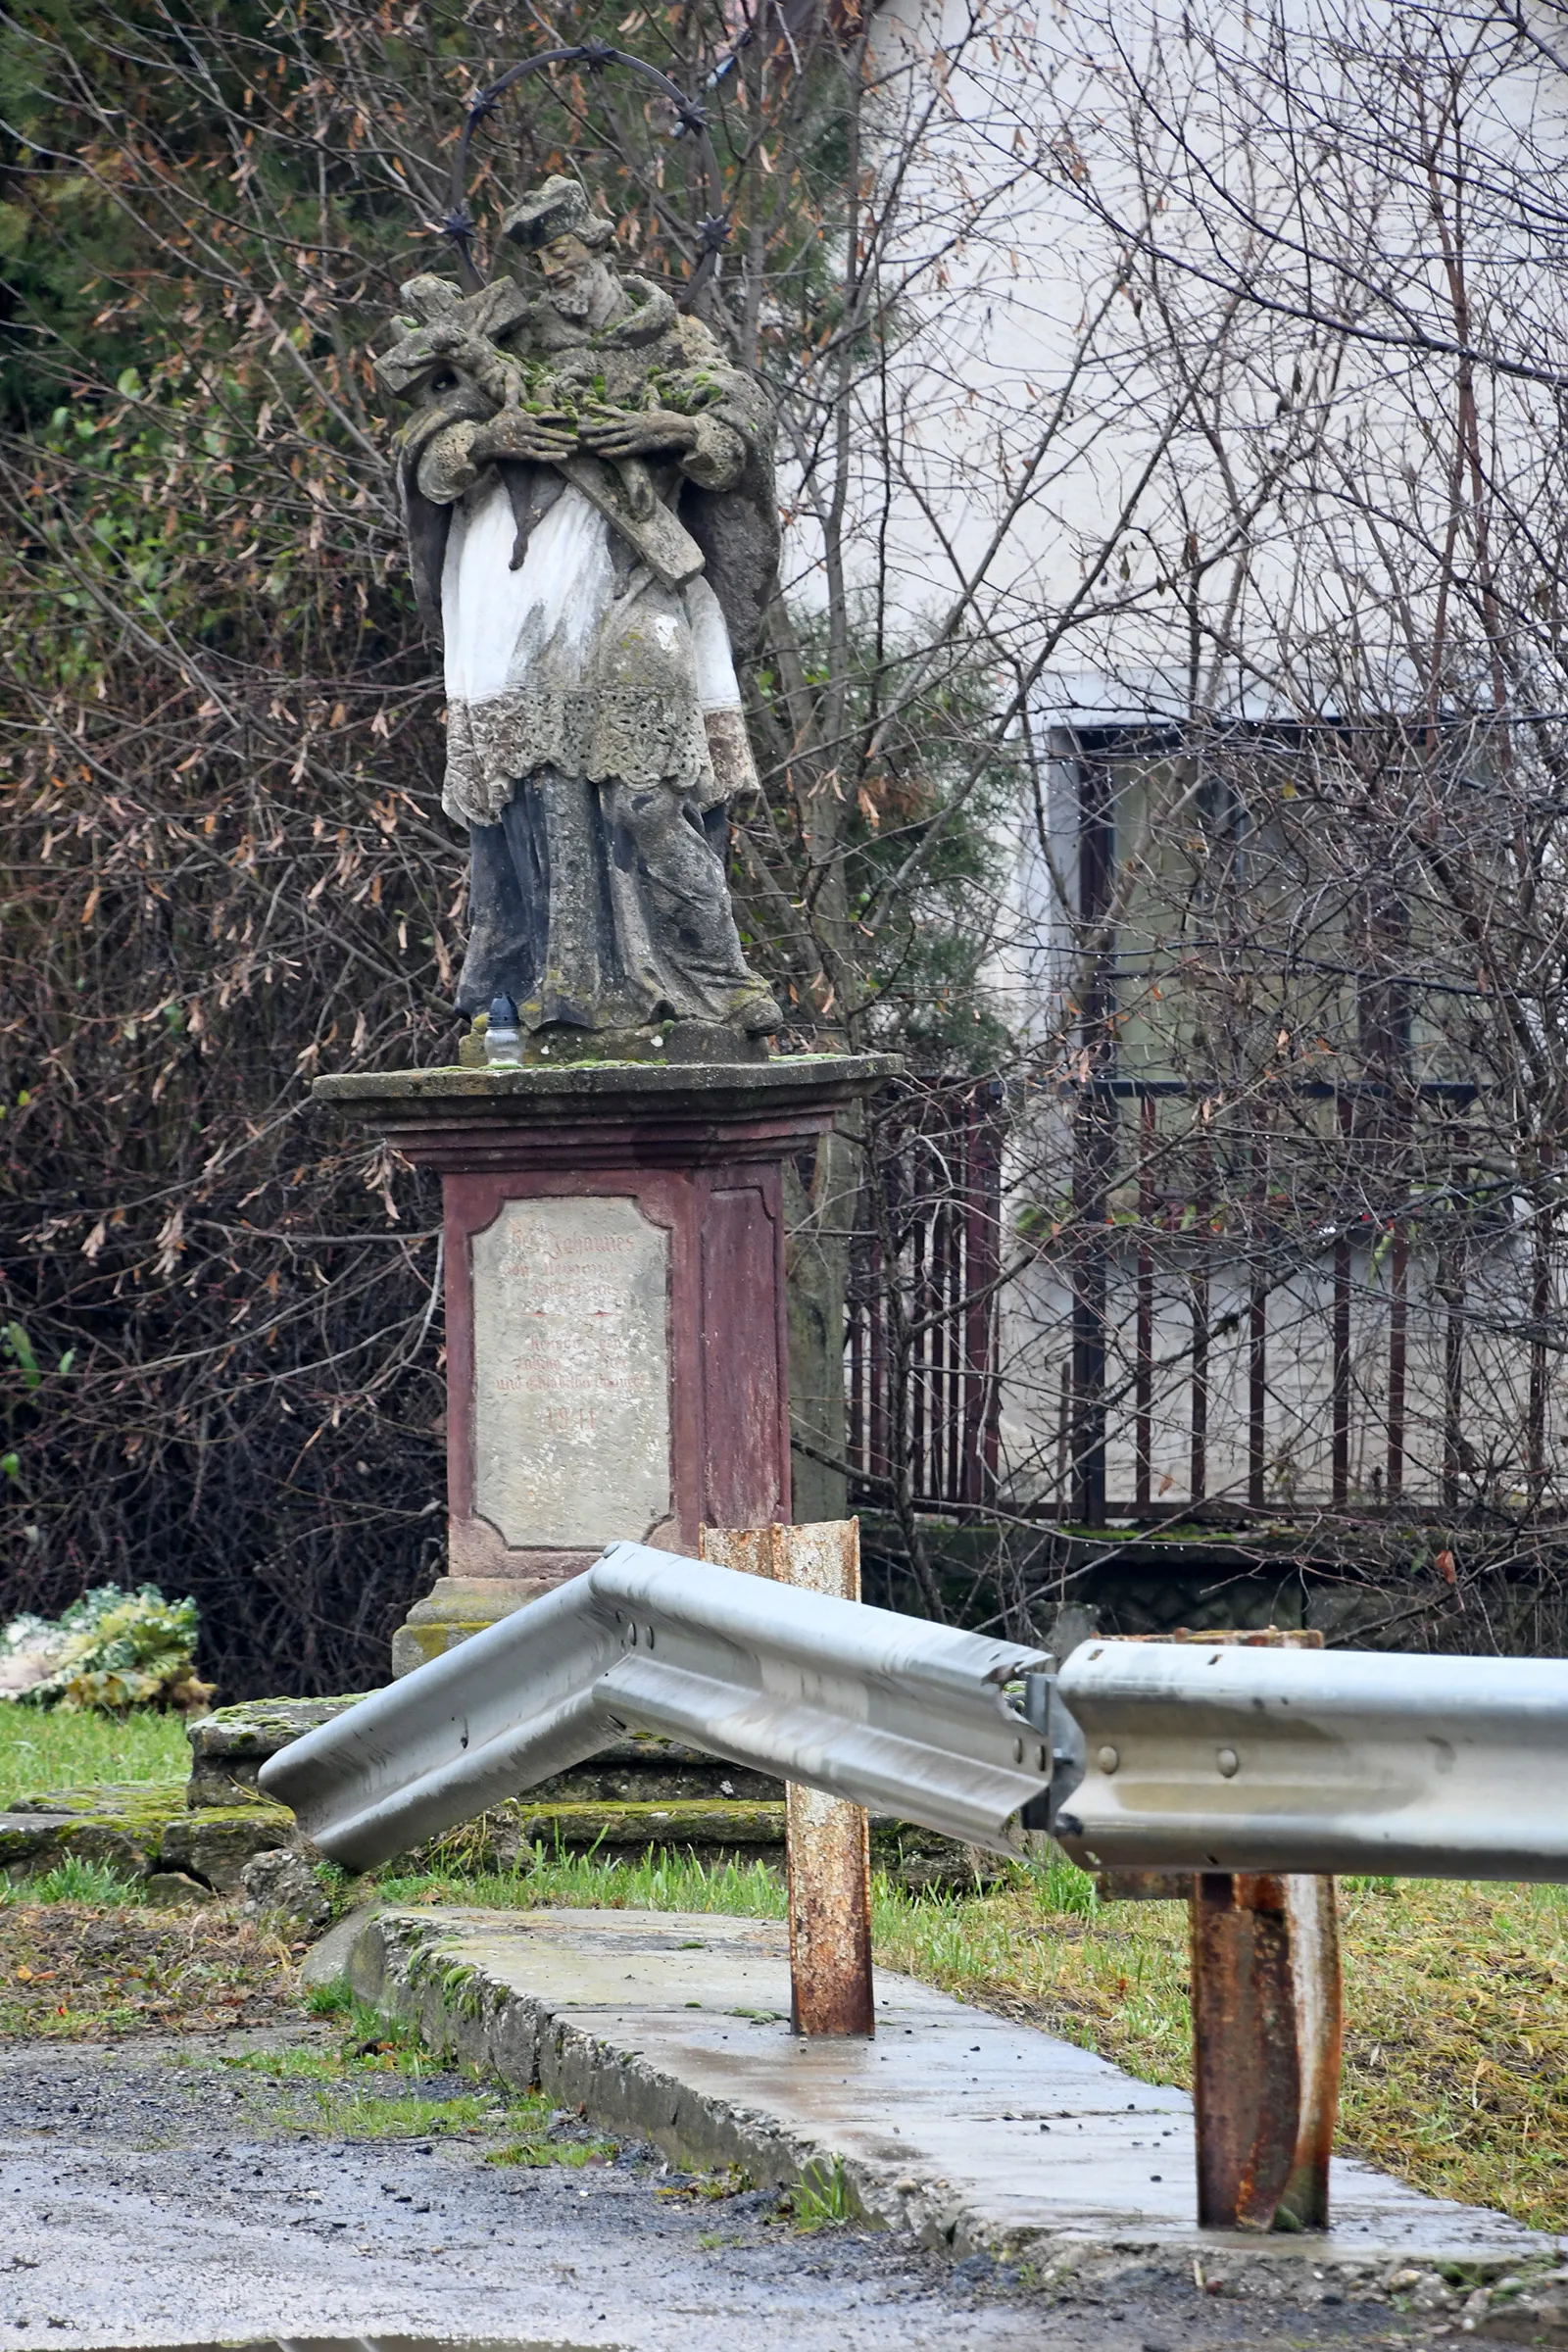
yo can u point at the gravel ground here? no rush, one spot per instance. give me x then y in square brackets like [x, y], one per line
[154, 2193]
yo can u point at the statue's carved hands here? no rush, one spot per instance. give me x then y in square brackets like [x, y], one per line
[525, 433]
[639, 433]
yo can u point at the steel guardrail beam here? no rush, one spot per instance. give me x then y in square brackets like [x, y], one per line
[893, 1713]
[508, 1707]
[1200, 1758]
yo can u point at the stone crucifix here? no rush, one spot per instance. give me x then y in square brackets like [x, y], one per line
[588, 486]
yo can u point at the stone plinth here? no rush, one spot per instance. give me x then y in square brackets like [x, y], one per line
[617, 1336]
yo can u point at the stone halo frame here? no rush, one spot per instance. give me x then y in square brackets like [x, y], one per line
[712, 232]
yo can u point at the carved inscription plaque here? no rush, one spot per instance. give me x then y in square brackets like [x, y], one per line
[571, 1385]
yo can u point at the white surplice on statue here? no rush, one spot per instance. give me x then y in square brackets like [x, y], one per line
[589, 490]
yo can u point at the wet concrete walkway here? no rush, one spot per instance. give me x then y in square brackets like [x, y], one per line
[975, 2131]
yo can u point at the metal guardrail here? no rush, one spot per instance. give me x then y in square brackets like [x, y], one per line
[1261, 1771]
[1182, 1758]
[890, 1712]
[1207, 1758]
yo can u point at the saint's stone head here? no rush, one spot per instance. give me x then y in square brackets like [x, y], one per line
[556, 227]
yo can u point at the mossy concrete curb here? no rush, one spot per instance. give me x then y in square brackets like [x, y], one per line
[414, 1965]
[972, 2131]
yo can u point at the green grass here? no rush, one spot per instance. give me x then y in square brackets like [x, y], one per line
[332, 2001]
[43, 1749]
[371, 2086]
[368, 2084]
[351, 2112]
[663, 1879]
[820, 2199]
[657, 1881]
[72, 1881]
[541, 2151]
[372, 2045]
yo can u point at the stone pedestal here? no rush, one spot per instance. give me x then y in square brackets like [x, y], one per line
[617, 1333]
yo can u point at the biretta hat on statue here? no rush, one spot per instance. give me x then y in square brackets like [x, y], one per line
[559, 208]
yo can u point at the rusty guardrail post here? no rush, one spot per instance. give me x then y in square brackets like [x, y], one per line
[1267, 2021]
[827, 1841]
[1266, 2045]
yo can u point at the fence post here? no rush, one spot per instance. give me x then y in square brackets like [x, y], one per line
[827, 1841]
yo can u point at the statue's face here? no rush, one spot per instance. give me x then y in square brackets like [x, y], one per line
[577, 280]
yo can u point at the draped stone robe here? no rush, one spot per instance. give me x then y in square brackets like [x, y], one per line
[594, 727]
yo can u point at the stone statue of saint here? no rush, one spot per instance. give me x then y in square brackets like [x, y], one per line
[589, 491]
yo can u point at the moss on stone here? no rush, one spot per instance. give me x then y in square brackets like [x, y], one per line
[26, 1851]
[229, 1747]
[417, 1644]
[216, 1843]
[259, 1726]
[701, 1821]
[141, 1827]
[22, 1847]
[139, 1801]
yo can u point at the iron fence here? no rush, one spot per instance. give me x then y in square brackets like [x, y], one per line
[921, 1346]
[1056, 1306]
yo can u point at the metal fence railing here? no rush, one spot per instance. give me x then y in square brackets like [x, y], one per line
[921, 1343]
[1060, 1310]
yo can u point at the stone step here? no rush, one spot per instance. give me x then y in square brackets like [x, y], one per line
[711, 1826]
[143, 1827]
[140, 1829]
[639, 1790]
[714, 1829]
[229, 1747]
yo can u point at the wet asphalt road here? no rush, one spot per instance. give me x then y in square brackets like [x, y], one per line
[151, 2195]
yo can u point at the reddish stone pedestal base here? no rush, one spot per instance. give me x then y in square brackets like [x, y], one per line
[616, 1356]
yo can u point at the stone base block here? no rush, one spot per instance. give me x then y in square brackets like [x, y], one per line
[666, 1042]
[228, 1749]
[709, 1830]
[458, 1606]
[141, 1831]
[618, 1348]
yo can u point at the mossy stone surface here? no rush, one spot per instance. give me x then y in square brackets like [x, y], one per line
[611, 1781]
[230, 1747]
[259, 1726]
[706, 1821]
[32, 1843]
[216, 1843]
[414, 1646]
[149, 1801]
[174, 1890]
[714, 1829]
[139, 1829]
[530, 1087]
[29, 1842]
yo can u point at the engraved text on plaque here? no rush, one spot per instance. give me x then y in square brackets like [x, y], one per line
[570, 1379]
